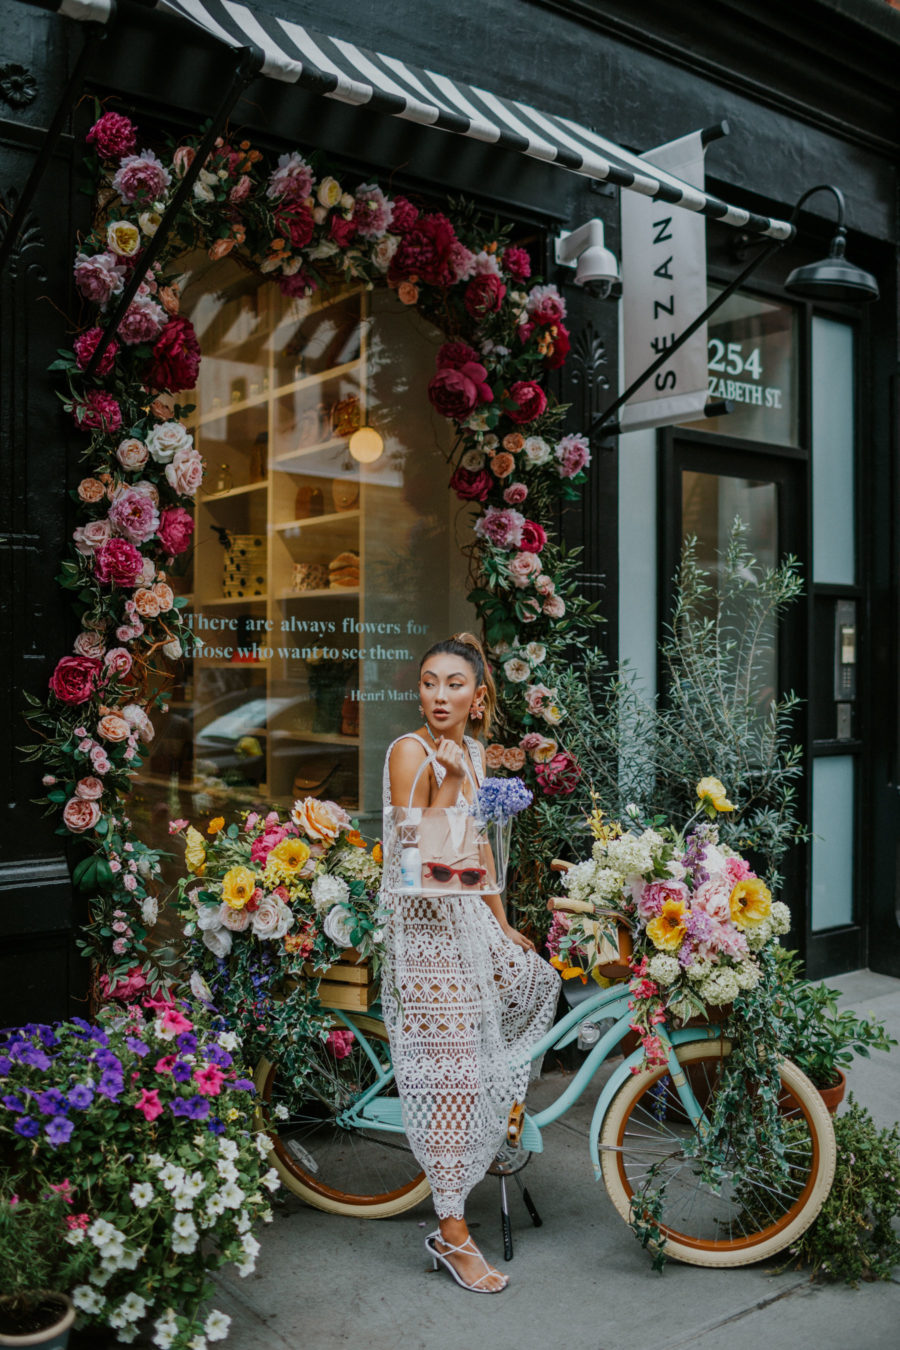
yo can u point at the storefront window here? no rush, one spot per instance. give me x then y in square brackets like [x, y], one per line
[752, 362]
[326, 551]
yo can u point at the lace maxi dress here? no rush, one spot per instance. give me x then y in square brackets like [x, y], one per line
[463, 1007]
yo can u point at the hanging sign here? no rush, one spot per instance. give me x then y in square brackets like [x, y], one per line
[663, 290]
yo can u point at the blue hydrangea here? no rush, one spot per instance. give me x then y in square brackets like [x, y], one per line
[499, 799]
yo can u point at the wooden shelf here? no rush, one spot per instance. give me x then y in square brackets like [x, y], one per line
[261, 486]
[308, 521]
[254, 400]
[234, 600]
[228, 409]
[304, 450]
[315, 737]
[329, 591]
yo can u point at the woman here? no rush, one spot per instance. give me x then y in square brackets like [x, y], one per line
[465, 996]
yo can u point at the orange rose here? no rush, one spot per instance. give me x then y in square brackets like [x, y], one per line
[494, 755]
[168, 298]
[513, 758]
[164, 594]
[146, 603]
[91, 490]
[163, 407]
[113, 728]
[316, 820]
[502, 465]
[408, 293]
[220, 248]
[513, 442]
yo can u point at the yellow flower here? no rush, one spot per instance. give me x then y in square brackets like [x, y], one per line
[377, 855]
[568, 972]
[750, 902]
[238, 885]
[123, 238]
[195, 851]
[233, 1114]
[290, 855]
[355, 838]
[712, 791]
[329, 192]
[667, 930]
[215, 825]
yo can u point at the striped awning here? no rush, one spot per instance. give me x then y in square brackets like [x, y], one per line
[341, 70]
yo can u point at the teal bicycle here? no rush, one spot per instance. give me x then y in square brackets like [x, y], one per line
[338, 1141]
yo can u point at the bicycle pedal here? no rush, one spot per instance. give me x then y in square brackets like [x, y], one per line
[515, 1124]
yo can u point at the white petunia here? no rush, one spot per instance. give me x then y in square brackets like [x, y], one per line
[232, 1196]
[197, 1343]
[133, 1306]
[216, 1325]
[214, 1205]
[281, 1112]
[250, 1244]
[183, 1246]
[184, 1225]
[228, 1041]
[227, 1170]
[129, 1258]
[246, 1268]
[86, 1299]
[74, 1236]
[263, 1145]
[271, 1180]
[171, 1176]
[165, 1335]
[126, 1335]
[242, 1221]
[228, 1148]
[156, 1160]
[102, 1232]
[141, 1194]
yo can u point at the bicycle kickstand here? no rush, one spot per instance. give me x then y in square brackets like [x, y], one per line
[536, 1219]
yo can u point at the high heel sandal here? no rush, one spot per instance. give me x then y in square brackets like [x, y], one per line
[468, 1248]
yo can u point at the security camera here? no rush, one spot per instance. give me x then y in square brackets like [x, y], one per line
[595, 266]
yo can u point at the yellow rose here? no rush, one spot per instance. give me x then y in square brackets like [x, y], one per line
[195, 852]
[123, 238]
[552, 714]
[750, 902]
[667, 931]
[290, 854]
[329, 193]
[238, 885]
[543, 753]
[712, 791]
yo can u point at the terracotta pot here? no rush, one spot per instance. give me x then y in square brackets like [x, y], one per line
[833, 1096]
[54, 1336]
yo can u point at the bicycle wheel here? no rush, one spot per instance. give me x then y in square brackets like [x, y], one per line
[369, 1174]
[754, 1213]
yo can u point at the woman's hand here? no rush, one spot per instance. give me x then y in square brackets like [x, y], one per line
[519, 939]
[450, 756]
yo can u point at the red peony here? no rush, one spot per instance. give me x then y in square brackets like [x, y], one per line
[484, 295]
[175, 362]
[454, 355]
[561, 346]
[97, 411]
[428, 252]
[455, 393]
[342, 231]
[113, 135]
[559, 776]
[531, 400]
[297, 284]
[84, 347]
[175, 529]
[118, 563]
[471, 485]
[75, 678]
[517, 263]
[404, 217]
[534, 537]
[295, 223]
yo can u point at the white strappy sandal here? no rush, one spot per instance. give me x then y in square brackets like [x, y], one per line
[468, 1248]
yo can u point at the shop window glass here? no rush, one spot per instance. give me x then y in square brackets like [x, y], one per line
[832, 849]
[753, 361]
[317, 578]
[833, 415]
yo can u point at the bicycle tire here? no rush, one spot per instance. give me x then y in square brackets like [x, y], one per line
[645, 1111]
[300, 1170]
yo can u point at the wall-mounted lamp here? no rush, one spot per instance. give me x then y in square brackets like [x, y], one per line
[366, 445]
[584, 249]
[831, 278]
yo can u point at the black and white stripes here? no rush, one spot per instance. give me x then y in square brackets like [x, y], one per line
[341, 70]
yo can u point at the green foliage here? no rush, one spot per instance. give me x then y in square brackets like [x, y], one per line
[816, 1036]
[854, 1236]
[34, 1254]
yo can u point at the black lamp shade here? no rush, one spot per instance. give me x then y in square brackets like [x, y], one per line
[833, 278]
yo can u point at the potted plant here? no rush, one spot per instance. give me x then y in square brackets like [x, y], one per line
[37, 1263]
[820, 1039]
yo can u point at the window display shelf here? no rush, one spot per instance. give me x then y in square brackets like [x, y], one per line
[328, 592]
[320, 377]
[219, 663]
[307, 522]
[316, 737]
[228, 409]
[241, 491]
[235, 600]
[319, 448]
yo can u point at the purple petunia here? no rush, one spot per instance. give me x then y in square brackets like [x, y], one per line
[27, 1127]
[187, 1043]
[244, 1085]
[105, 1059]
[216, 1055]
[137, 1047]
[59, 1131]
[216, 1126]
[5, 1065]
[81, 1096]
[30, 1054]
[110, 1085]
[13, 1103]
[51, 1102]
[181, 1071]
[193, 1108]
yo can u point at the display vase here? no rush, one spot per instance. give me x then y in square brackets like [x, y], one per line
[55, 1311]
[497, 835]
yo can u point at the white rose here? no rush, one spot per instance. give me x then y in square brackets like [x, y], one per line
[234, 919]
[516, 670]
[209, 918]
[132, 454]
[135, 716]
[185, 472]
[218, 942]
[384, 251]
[272, 919]
[348, 202]
[149, 222]
[339, 924]
[536, 652]
[328, 891]
[149, 910]
[472, 460]
[536, 450]
[166, 438]
[329, 192]
[173, 649]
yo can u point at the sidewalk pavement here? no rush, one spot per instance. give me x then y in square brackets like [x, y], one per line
[580, 1281]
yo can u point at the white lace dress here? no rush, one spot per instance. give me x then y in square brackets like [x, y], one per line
[463, 1007]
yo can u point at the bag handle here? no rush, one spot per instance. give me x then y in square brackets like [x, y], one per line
[431, 758]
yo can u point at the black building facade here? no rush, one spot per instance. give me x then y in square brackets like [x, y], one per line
[809, 93]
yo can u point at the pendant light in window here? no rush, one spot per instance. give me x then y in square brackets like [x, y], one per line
[366, 445]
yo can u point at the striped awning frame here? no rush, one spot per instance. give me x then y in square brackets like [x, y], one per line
[340, 70]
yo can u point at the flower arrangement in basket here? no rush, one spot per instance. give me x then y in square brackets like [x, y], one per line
[699, 917]
[270, 906]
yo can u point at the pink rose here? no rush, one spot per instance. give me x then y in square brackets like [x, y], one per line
[712, 897]
[471, 485]
[89, 643]
[118, 563]
[113, 728]
[546, 305]
[531, 740]
[75, 679]
[134, 515]
[185, 472]
[97, 411]
[175, 529]
[89, 789]
[544, 585]
[80, 815]
[182, 159]
[117, 661]
[737, 870]
[141, 176]
[98, 277]
[457, 392]
[559, 776]
[554, 606]
[515, 494]
[522, 567]
[534, 537]
[100, 762]
[113, 135]
[484, 295]
[501, 527]
[241, 190]
[573, 454]
[531, 401]
[536, 695]
[84, 347]
[142, 321]
[651, 897]
[132, 454]
[88, 538]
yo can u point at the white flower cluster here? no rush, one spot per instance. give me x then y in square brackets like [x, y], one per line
[664, 970]
[720, 987]
[112, 1249]
[613, 866]
[328, 890]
